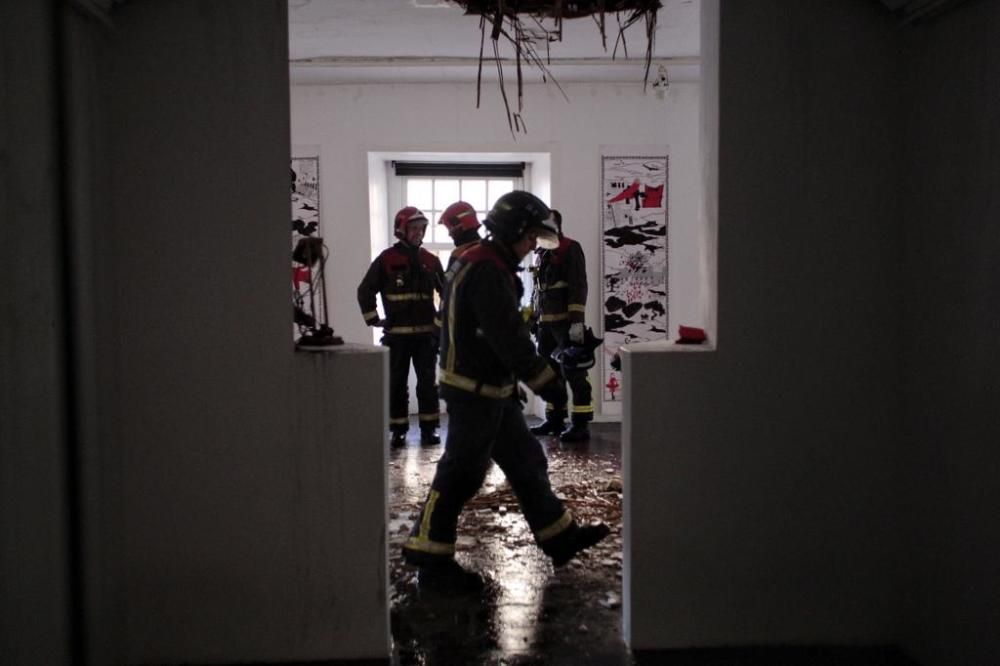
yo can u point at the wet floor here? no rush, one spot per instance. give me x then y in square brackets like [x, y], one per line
[529, 613]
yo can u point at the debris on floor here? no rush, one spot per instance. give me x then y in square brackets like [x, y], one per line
[530, 611]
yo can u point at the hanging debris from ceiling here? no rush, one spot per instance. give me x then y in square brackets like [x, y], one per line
[530, 25]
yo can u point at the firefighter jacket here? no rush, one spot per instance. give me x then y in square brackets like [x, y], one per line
[407, 278]
[560, 284]
[485, 345]
[463, 243]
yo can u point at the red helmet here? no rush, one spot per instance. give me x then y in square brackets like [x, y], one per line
[460, 216]
[406, 217]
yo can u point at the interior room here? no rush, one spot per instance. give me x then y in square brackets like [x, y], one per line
[816, 484]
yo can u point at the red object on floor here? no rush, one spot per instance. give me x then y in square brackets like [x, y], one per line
[689, 335]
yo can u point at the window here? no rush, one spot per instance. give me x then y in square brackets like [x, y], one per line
[432, 194]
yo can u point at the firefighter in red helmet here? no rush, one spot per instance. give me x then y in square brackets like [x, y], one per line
[407, 276]
[485, 350]
[463, 227]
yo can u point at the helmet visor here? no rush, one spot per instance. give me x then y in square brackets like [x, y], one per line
[547, 239]
[546, 233]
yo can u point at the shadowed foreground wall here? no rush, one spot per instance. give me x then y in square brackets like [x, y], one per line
[830, 473]
[252, 496]
[762, 478]
[951, 208]
[35, 554]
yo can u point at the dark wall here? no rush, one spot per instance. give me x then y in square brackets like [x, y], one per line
[764, 473]
[35, 610]
[951, 221]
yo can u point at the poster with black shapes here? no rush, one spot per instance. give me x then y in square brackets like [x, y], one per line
[633, 257]
[305, 225]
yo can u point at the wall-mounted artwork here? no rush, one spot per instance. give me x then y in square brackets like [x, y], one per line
[634, 257]
[305, 225]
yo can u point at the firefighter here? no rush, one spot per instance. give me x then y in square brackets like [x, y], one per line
[407, 276]
[560, 299]
[485, 349]
[463, 227]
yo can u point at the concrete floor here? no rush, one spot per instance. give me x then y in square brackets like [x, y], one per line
[530, 614]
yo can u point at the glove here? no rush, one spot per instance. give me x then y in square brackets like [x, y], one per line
[576, 333]
[554, 392]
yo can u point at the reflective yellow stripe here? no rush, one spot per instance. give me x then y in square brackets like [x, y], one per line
[437, 322]
[428, 328]
[541, 379]
[573, 307]
[370, 315]
[428, 546]
[587, 409]
[399, 421]
[562, 316]
[471, 385]
[555, 528]
[425, 522]
[450, 361]
[429, 417]
[562, 284]
[409, 296]
[422, 541]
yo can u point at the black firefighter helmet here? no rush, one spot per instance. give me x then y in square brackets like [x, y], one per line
[573, 356]
[517, 212]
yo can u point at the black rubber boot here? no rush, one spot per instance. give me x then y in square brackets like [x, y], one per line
[398, 440]
[449, 577]
[547, 428]
[429, 437]
[578, 432]
[563, 547]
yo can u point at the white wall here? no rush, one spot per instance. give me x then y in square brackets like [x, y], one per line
[349, 121]
[763, 479]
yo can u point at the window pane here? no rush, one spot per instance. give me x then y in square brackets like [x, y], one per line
[474, 192]
[498, 188]
[445, 192]
[437, 233]
[418, 193]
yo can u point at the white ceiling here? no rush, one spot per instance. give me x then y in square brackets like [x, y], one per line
[357, 41]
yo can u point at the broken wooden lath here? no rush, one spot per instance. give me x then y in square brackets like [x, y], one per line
[520, 22]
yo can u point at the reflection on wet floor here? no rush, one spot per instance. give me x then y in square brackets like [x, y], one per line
[529, 613]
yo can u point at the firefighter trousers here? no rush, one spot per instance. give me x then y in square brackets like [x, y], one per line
[481, 430]
[422, 351]
[549, 337]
